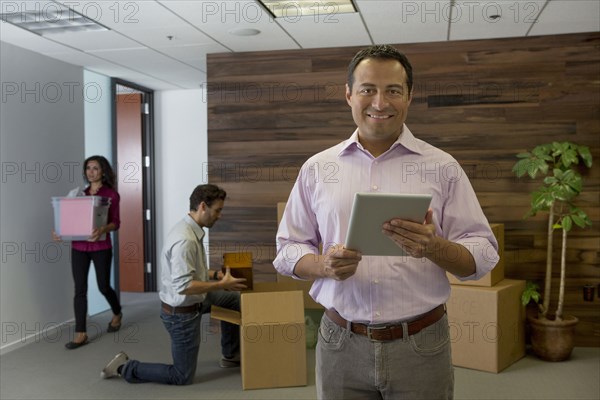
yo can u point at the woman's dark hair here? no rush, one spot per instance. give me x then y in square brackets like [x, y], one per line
[108, 175]
[206, 193]
[381, 52]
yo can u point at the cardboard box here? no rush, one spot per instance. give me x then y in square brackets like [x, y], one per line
[272, 335]
[313, 311]
[487, 325]
[289, 283]
[496, 274]
[240, 266]
[76, 217]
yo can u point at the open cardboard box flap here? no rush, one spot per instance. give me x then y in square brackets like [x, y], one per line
[225, 314]
[272, 335]
[264, 308]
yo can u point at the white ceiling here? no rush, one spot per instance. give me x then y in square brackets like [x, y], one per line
[163, 44]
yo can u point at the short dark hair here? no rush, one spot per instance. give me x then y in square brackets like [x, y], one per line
[206, 193]
[381, 52]
[108, 175]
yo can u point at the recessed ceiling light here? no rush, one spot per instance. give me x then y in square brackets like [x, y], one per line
[244, 32]
[52, 18]
[308, 8]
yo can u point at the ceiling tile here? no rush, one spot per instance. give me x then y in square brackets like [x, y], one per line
[493, 19]
[217, 19]
[125, 15]
[96, 40]
[27, 40]
[568, 16]
[391, 21]
[329, 30]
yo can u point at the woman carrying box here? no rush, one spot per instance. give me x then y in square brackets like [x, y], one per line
[98, 173]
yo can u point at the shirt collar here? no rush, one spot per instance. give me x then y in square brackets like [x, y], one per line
[195, 227]
[406, 140]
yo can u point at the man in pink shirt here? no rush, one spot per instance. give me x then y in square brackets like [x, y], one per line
[385, 331]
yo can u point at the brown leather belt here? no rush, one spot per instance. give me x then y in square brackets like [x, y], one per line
[180, 310]
[389, 332]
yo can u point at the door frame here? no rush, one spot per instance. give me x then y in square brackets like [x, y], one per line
[148, 181]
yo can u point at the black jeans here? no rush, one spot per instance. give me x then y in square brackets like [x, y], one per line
[80, 263]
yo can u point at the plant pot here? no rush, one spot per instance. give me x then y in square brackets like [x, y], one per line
[552, 340]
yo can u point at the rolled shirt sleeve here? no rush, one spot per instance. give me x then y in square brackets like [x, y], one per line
[183, 258]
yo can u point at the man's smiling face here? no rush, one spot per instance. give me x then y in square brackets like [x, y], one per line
[379, 99]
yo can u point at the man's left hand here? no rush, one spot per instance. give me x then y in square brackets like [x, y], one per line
[417, 240]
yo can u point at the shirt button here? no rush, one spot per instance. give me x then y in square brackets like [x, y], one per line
[375, 281]
[377, 314]
[375, 187]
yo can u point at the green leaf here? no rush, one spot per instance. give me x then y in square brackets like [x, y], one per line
[558, 173]
[580, 222]
[531, 292]
[542, 166]
[543, 151]
[567, 223]
[580, 217]
[569, 157]
[520, 168]
[542, 200]
[586, 155]
[532, 169]
[560, 187]
[575, 183]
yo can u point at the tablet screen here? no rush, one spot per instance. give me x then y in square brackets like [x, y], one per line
[371, 210]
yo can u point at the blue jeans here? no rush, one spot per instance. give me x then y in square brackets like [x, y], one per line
[184, 330]
[350, 366]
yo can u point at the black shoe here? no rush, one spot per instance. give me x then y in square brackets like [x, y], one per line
[230, 362]
[115, 328]
[76, 345]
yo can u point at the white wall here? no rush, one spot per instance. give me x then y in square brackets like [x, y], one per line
[42, 146]
[181, 155]
[41, 150]
[98, 140]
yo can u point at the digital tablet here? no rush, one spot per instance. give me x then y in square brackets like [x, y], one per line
[371, 210]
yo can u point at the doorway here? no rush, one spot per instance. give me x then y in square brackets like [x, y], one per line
[133, 141]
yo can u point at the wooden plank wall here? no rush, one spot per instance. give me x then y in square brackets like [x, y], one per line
[482, 101]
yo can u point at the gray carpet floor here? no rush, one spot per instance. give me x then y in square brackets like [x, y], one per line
[44, 369]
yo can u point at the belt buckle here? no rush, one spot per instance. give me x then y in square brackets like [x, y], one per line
[374, 328]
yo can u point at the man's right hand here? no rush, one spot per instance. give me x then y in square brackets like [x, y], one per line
[228, 282]
[340, 263]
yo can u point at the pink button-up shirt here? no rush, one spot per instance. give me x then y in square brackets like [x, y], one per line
[384, 289]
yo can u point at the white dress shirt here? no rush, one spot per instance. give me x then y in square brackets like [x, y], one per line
[183, 260]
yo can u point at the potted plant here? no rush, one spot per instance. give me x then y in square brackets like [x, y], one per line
[559, 164]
